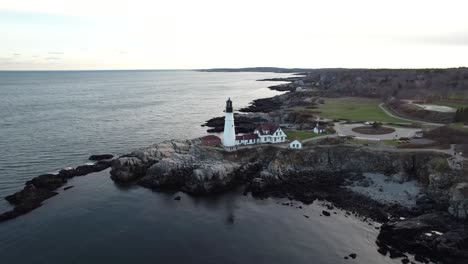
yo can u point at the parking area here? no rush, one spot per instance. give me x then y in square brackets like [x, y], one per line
[347, 130]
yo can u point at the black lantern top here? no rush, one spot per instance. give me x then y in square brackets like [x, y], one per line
[229, 106]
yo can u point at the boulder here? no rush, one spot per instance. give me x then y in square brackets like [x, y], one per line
[459, 201]
[127, 169]
[100, 157]
[325, 213]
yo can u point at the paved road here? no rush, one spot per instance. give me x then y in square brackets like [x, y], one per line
[347, 130]
[381, 105]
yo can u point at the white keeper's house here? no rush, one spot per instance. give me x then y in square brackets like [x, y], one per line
[270, 133]
[264, 133]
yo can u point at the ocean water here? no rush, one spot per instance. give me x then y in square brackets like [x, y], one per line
[49, 120]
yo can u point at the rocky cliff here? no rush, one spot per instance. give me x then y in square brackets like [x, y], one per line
[321, 172]
[197, 169]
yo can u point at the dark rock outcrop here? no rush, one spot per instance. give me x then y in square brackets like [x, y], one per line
[243, 123]
[100, 157]
[434, 235]
[265, 105]
[43, 187]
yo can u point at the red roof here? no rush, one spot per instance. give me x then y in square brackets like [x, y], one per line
[211, 137]
[247, 137]
[267, 129]
[211, 140]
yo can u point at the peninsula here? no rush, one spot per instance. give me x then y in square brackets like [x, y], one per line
[389, 145]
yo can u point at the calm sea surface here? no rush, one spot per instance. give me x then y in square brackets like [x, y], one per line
[49, 120]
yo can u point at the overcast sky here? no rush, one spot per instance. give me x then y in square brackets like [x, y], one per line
[178, 34]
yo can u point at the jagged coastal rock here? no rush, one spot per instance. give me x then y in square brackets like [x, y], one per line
[429, 235]
[318, 172]
[198, 169]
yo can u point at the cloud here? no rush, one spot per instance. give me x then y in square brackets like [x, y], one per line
[53, 58]
[56, 53]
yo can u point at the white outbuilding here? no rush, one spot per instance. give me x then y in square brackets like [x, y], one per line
[296, 144]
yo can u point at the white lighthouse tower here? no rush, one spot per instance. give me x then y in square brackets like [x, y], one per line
[229, 140]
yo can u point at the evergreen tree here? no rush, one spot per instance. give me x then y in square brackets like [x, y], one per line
[457, 116]
[461, 115]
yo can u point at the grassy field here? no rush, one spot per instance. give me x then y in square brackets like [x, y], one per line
[459, 126]
[457, 97]
[356, 109]
[301, 135]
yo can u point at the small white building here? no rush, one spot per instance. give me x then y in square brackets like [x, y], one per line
[318, 130]
[270, 133]
[296, 144]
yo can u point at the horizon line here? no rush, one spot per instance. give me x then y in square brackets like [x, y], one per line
[244, 68]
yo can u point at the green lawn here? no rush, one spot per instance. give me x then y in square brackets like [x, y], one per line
[459, 126]
[390, 142]
[301, 135]
[355, 109]
[457, 97]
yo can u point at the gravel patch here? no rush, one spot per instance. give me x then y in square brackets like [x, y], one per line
[387, 189]
[437, 108]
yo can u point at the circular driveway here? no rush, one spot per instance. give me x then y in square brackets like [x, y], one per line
[347, 130]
